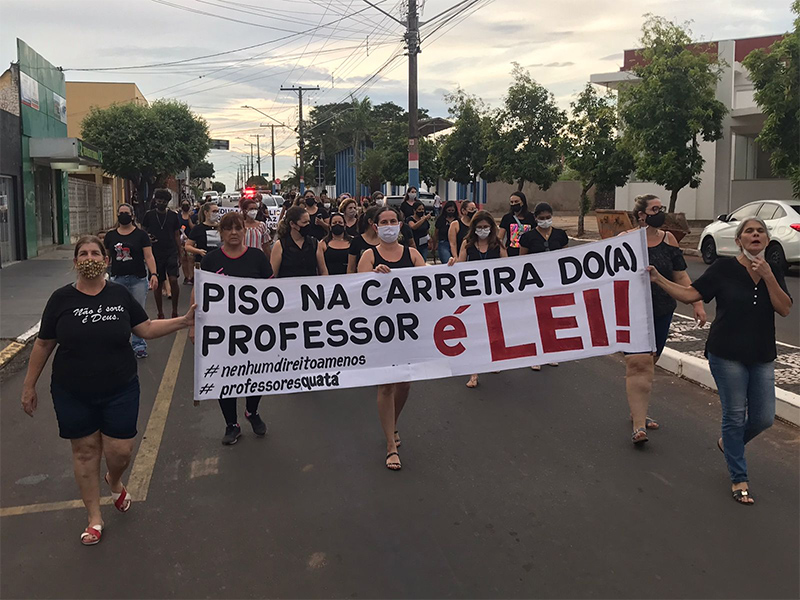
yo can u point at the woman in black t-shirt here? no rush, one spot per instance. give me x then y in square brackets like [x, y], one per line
[516, 222]
[297, 253]
[235, 259]
[205, 236]
[420, 224]
[336, 246]
[441, 229]
[349, 208]
[741, 344]
[317, 216]
[458, 229]
[130, 251]
[94, 384]
[388, 255]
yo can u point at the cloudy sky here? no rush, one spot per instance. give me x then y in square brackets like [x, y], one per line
[324, 43]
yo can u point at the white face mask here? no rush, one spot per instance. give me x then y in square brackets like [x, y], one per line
[412, 195]
[483, 232]
[389, 233]
[380, 202]
[252, 214]
[545, 223]
[752, 257]
[327, 205]
[214, 217]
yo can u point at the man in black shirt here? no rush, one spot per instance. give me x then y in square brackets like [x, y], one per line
[164, 229]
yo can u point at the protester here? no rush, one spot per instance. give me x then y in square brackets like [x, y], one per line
[297, 253]
[516, 222]
[349, 208]
[388, 255]
[324, 200]
[95, 387]
[543, 238]
[129, 250]
[164, 229]
[407, 207]
[741, 344]
[368, 238]
[481, 243]
[235, 259]
[336, 246]
[318, 226]
[377, 199]
[441, 231]
[665, 255]
[437, 204]
[256, 234]
[458, 229]
[420, 224]
[205, 237]
[187, 221]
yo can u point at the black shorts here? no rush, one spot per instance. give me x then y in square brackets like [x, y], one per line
[113, 414]
[166, 266]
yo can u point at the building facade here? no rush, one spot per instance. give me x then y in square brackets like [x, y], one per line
[736, 170]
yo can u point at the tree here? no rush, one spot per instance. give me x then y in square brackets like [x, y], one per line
[218, 187]
[292, 180]
[373, 169]
[524, 143]
[147, 144]
[355, 125]
[202, 170]
[774, 76]
[463, 151]
[430, 163]
[591, 147]
[673, 106]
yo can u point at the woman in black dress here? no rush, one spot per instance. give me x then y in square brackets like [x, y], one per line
[388, 255]
[297, 253]
[441, 229]
[458, 229]
[336, 246]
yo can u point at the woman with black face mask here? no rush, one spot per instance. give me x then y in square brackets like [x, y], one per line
[666, 257]
[441, 230]
[517, 222]
[297, 253]
[318, 216]
[336, 246]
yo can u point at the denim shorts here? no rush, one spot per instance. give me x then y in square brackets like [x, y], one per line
[113, 414]
[661, 325]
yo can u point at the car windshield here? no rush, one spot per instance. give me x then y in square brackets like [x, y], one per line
[795, 208]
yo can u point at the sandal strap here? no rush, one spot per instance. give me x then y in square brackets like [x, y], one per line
[121, 499]
[392, 454]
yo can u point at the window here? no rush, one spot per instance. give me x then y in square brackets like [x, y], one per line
[767, 211]
[749, 160]
[748, 210]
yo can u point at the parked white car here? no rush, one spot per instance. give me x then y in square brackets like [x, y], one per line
[783, 222]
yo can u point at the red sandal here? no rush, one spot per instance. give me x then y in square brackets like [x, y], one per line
[123, 500]
[92, 532]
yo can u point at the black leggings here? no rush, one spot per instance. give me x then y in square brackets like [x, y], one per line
[228, 406]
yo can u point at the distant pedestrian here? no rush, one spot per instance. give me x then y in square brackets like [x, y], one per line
[187, 220]
[336, 246]
[458, 229]
[481, 243]
[349, 208]
[164, 228]
[94, 385]
[297, 253]
[420, 224]
[205, 237]
[741, 344]
[441, 232]
[377, 199]
[437, 204]
[131, 256]
[407, 206]
[256, 233]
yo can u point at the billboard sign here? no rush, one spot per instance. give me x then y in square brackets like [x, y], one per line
[29, 90]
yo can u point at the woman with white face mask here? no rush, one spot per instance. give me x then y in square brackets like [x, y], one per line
[204, 237]
[256, 234]
[481, 243]
[389, 255]
[741, 344]
[543, 238]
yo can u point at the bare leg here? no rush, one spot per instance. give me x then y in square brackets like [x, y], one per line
[176, 294]
[186, 265]
[638, 384]
[86, 454]
[118, 457]
[157, 294]
[473, 381]
[401, 391]
[388, 417]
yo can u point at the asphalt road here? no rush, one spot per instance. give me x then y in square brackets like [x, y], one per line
[527, 486]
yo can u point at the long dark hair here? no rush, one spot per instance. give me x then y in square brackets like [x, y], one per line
[472, 237]
[347, 237]
[368, 217]
[405, 197]
[292, 215]
[524, 212]
[440, 220]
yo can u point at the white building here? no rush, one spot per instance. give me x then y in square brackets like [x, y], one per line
[736, 170]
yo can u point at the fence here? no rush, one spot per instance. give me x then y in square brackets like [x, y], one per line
[91, 208]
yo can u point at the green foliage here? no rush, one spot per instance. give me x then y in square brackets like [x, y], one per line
[202, 170]
[777, 92]
[218, 187]
[148, 143]
[373, 167]
[672, 108]
[524, 140]
[430, 163]
[591, 147]
[292, 180]
[463, 152]
[356, 124]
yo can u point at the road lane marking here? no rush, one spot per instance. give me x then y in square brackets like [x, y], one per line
[145, 460]
[202, 468]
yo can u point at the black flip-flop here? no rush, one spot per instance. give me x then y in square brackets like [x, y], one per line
[739, 494]
[391, 466]
[641, 440]
[719, 445]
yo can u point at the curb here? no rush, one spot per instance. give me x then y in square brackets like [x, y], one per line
[787, 404]
[18, 345]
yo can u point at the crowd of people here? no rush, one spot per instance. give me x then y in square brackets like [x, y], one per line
[98, 325]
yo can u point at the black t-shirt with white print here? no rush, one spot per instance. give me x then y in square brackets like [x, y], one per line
[205, 238]
[94, 355]
[127, 252]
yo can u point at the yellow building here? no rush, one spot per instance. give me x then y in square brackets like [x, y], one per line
[93, 195]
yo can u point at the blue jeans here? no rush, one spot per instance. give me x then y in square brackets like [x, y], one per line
[137, 286]
[423, 251]
[747, 394]
[444, 252]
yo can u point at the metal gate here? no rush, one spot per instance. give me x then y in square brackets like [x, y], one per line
[6, 220]
[91, 208]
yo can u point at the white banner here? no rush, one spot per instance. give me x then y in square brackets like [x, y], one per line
[60, 107]
[28, 90]
[277, 336]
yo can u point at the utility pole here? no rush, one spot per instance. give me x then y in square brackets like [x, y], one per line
[412, 43]
[300, 89]
[258, 147]
[272, 134]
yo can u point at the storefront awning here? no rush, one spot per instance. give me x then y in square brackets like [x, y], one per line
[65, 154]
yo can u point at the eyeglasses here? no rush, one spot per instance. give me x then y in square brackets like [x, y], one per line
[656, 209]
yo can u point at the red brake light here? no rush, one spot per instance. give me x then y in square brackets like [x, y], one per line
[795, 226]
[249, 192]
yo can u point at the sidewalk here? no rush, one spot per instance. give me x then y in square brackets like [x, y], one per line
[25, 287]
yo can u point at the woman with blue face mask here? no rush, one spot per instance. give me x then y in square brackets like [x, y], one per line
[387, 256]
[741, 344]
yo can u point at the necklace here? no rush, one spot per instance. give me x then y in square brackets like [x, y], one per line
[160, 222]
